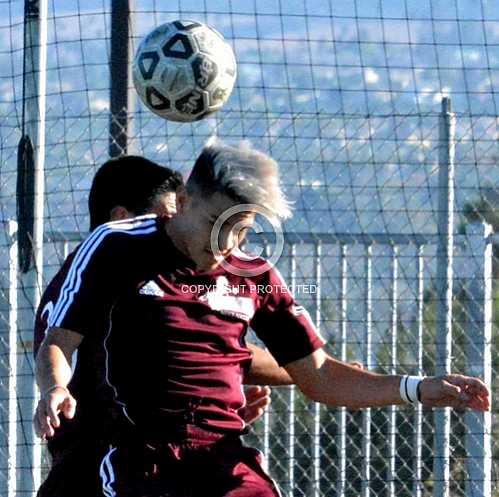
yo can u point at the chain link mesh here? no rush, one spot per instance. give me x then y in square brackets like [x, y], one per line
[346, 97]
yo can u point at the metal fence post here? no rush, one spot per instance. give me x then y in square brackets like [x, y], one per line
[30, 204]
[392, 411]
[342, 412]
[316, 442]
[11, 353]
[441, 466]
[417, 486]
[479, 358]
[368, 362]
[120, 97]
[292, 398]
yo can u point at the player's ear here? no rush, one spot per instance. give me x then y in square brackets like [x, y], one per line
[183, 199]
[119, 212]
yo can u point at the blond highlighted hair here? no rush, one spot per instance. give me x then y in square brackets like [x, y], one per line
[243, 173]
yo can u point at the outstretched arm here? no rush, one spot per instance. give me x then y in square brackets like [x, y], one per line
[332, 382]
[53, 373]
[265, 370]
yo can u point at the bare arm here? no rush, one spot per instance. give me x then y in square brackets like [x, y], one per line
[53, 373]
[265, 370]
[332, 382]
[53, 362]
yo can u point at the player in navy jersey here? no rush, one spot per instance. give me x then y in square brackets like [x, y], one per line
[171, 300]
[121, 189]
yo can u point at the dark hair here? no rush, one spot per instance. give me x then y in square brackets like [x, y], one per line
[130, 181]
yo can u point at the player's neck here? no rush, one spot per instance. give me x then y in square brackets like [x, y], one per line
[174, 229]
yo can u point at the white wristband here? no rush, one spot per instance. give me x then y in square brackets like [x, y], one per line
[409, 388]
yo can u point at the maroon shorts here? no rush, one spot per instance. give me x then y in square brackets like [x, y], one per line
[75, 472]
[201, 464]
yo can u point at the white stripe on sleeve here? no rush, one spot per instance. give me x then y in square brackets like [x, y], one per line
[72, 282]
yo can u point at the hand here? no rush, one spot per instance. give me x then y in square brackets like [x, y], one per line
[46, 418]
[257, 400]
[455, 391]
[356, 364]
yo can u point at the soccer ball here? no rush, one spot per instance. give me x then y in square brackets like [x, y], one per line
[184, 70]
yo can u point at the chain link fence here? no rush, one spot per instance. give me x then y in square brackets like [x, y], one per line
[346, 97]
[361, 253]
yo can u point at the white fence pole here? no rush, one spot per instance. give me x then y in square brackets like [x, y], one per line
[441, 466]
[479, 358]
[342, 413]
[292, 398]
[417, 487]
[34, 84]
[316, 440]
[392, 411]
[12, 363]
[368, 362]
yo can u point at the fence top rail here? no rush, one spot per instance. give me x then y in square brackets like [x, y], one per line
[298, 238]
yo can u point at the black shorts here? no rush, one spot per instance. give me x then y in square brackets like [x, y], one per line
[75, 471]
[202, 464]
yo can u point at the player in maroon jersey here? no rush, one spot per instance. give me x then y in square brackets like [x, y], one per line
[173, 312]
[121, 189]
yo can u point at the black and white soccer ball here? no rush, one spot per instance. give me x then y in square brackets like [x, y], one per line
[184, 70]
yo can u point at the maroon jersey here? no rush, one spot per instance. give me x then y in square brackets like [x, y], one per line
[174, 337]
